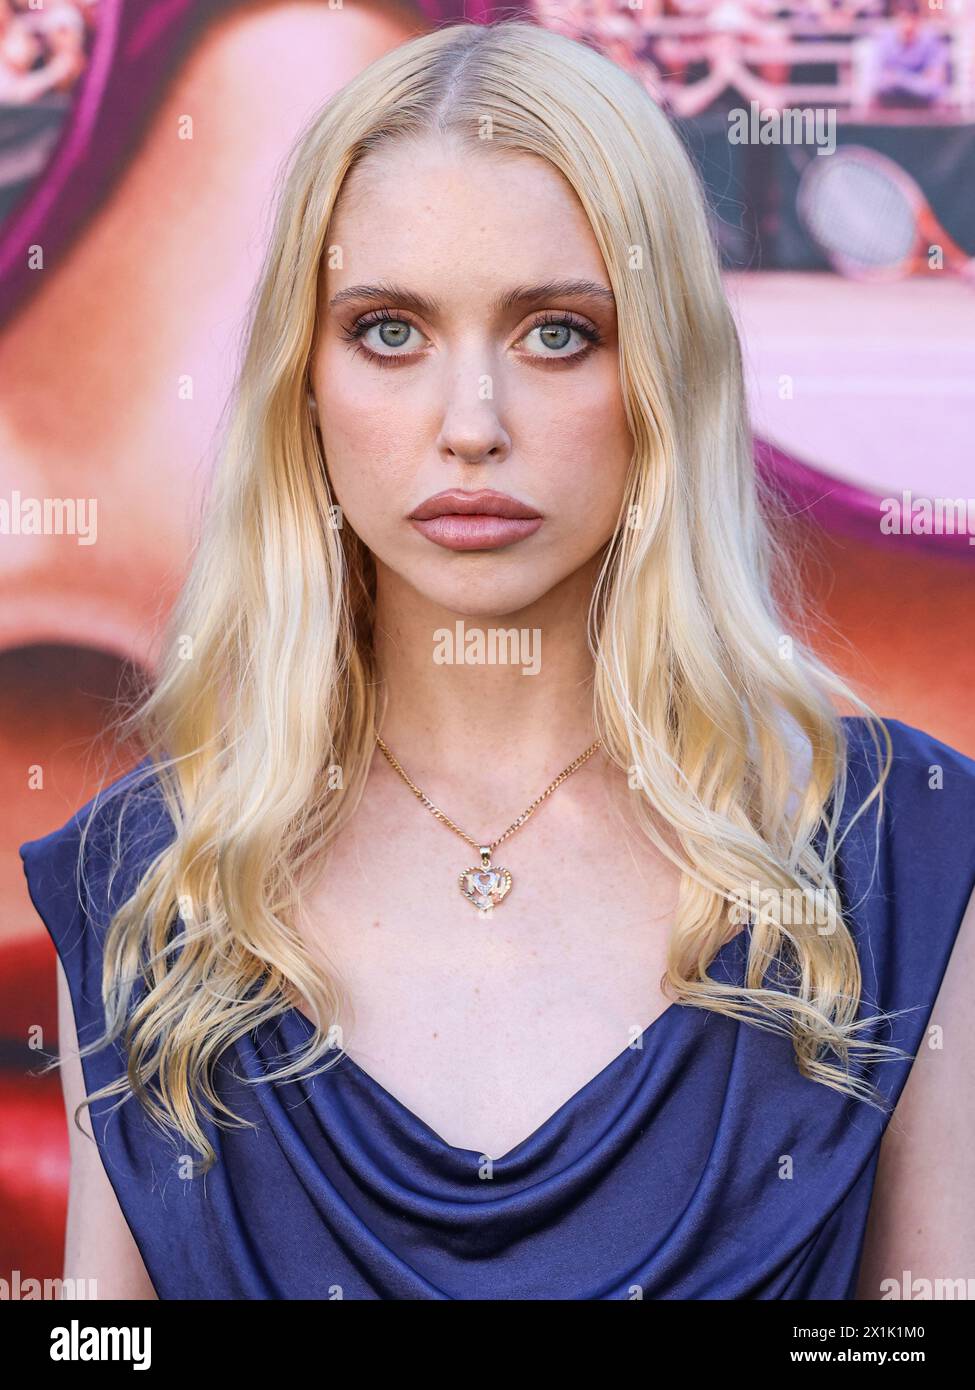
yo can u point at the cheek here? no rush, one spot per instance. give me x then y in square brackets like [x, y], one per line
[593, 499]
[365, 443]
[369, 470]
[591, 467]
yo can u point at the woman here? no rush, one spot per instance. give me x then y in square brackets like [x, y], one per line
[484, 559]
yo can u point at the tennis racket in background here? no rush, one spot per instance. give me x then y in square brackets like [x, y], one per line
[871, 219]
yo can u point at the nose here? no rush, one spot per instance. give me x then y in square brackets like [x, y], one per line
[472, 430]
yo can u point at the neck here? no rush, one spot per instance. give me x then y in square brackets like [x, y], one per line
[488, 708]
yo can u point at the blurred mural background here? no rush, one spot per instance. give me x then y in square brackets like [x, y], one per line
[127, 254]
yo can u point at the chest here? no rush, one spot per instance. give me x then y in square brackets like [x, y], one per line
[485, 1025]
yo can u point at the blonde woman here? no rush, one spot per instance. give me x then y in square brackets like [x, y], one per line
[501, 908]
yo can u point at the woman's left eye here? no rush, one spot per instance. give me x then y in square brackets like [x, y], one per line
[556, 335]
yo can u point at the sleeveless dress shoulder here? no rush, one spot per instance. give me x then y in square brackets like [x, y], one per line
[697, 1165]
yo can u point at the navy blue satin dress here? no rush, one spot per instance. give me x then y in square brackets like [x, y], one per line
[697, 1165]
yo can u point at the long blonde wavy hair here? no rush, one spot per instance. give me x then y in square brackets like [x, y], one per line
[267, 682]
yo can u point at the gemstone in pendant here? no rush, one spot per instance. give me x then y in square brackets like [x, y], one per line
[485, 886]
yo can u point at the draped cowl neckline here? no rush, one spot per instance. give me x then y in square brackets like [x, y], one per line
[728, 967]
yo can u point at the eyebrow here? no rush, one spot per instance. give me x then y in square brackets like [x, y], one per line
[519, 297]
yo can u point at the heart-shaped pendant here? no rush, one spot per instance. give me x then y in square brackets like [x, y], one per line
[485, 886]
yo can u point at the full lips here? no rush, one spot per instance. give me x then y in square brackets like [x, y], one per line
[477, 531]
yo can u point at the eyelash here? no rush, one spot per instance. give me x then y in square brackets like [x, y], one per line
[355, 333]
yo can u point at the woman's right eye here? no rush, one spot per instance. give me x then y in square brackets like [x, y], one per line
[383, 335]
[393, 333]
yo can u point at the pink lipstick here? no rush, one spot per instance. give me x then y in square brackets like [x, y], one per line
[484, 520]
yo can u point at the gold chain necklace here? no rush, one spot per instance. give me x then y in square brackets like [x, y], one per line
[486, 885]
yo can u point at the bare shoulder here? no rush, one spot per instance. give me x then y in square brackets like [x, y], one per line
[922, 1217]
[98, 1243]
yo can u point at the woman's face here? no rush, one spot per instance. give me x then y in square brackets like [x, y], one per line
[468, 366]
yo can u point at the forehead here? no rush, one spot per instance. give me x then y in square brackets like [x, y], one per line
[457, 211]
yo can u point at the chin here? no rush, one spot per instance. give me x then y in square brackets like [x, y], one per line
[490, 589]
